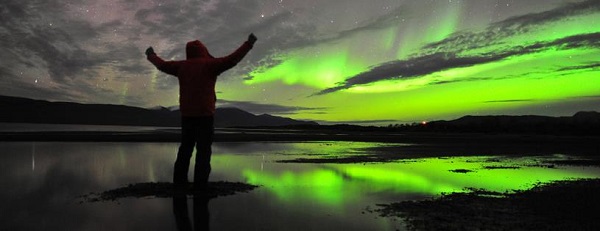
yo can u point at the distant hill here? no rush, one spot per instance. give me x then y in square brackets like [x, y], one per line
[23, 110]
[234, 117]
[579, 123]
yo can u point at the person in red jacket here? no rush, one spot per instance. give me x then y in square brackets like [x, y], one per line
[197, 77]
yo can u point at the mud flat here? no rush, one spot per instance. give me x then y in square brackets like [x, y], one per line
[166, 190]
[561, 205]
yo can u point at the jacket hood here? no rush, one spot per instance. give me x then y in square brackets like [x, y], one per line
[195, 49]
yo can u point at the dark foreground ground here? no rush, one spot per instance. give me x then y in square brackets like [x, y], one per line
[562, 205]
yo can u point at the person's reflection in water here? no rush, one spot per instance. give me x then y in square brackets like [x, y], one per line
[201, 214]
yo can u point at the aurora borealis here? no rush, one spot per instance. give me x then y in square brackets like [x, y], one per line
[351, 61]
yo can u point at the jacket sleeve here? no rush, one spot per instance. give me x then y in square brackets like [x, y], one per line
[227, 62]
[169, 67]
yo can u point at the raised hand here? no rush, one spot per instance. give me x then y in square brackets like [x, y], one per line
[149, 51]
[252, 38]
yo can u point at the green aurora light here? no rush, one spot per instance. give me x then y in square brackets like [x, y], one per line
[542, 77]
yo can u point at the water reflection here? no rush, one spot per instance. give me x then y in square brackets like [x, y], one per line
[200, 212]
[43, 180]
[338, 184]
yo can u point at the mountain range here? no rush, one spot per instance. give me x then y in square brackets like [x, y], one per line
[24, 110]
[581, 123]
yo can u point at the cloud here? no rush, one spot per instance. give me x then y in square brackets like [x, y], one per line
[438, 82]
[498, 31]
[581, 67]
[428, 64]
[55, 42]
[559, 13]
[166, 82]
[209, 21]
[259, 108]
[380, 22]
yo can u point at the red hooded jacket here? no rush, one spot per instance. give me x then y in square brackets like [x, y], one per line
[198, 75]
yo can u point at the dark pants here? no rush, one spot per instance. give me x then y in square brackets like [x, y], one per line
[195, 132]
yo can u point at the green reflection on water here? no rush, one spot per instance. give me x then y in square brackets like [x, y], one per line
[324, 186]
[433, 176]
[336, 185]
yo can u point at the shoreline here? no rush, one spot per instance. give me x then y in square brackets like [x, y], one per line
[420, 144]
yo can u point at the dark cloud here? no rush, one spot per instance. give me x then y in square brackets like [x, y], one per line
[306, 37]
[581, 67]
[498, 31]
[438, 82]
[535, 19]
[428, 64]
[37, 35]
[378, 23]
[259, 108]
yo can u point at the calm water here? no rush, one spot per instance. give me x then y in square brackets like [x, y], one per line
[42, 181]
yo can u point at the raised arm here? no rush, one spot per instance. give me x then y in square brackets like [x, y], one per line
[169, 67]
[227, 62]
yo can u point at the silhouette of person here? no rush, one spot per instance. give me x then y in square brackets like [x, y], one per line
[197, 77]
[201, 213]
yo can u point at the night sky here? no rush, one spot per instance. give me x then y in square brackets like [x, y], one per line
[343, 61]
